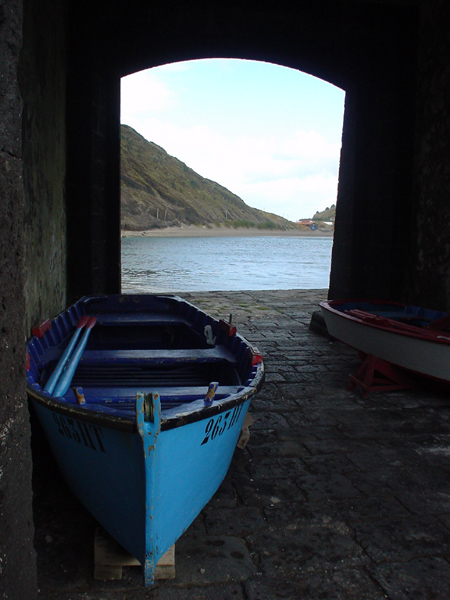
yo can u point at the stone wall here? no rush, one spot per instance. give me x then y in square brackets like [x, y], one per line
[429, 279]
[17, 556]
[43, 88]
[399, 247]
[93, 156]
[371, 252]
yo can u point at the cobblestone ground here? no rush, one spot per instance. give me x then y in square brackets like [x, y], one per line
[335, 497]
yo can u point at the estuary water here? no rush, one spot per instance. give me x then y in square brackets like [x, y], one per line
[196, 264]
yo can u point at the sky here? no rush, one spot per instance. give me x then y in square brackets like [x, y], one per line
[269, 134]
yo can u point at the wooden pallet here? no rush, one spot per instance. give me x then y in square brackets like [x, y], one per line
[110, 558]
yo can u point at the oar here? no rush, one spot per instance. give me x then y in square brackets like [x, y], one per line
[68, 373]
[50, 385]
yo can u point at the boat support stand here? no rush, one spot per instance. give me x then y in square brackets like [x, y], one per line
[377, 375]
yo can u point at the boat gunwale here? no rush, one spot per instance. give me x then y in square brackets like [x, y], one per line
[185, 413]
[112, 421]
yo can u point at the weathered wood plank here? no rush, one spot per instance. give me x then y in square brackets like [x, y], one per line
[110, 558]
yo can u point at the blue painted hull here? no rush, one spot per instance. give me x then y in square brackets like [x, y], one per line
[146, 467]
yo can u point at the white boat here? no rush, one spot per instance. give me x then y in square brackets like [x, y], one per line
[413, 338]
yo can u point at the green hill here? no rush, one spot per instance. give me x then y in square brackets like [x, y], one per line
[328, 214]
[159, 190]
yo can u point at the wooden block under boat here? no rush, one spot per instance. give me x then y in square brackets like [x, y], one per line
[245, 432]
[110, 557]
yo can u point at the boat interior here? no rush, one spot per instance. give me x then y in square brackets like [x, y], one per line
[141, 352]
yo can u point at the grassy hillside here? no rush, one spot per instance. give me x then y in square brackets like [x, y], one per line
[328, 214]
[159, 191]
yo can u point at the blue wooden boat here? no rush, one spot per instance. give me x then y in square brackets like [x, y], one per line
[142, 399]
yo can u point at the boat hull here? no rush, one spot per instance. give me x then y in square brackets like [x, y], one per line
[412, 349]
[134, 494]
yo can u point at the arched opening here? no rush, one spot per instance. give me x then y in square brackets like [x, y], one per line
[269, 138]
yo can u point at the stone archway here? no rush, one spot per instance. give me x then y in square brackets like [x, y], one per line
[391, 57]
[368, 51]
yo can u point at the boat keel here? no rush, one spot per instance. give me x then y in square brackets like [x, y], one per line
[148, 415]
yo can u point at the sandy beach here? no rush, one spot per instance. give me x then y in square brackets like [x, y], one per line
[214, 231]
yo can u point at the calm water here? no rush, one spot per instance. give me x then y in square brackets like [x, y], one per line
[216, 264]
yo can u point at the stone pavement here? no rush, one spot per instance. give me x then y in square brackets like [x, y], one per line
[335, 497]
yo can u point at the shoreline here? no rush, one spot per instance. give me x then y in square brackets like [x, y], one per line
[214, 231]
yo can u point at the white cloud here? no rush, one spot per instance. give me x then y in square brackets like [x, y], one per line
[143, 93]
[293, 198]
[263, 172]
[308, 146]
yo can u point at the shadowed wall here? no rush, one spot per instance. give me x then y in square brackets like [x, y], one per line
[17, 556]
[60, 188]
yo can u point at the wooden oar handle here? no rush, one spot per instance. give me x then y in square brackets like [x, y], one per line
[54, 377]
[71, 365]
